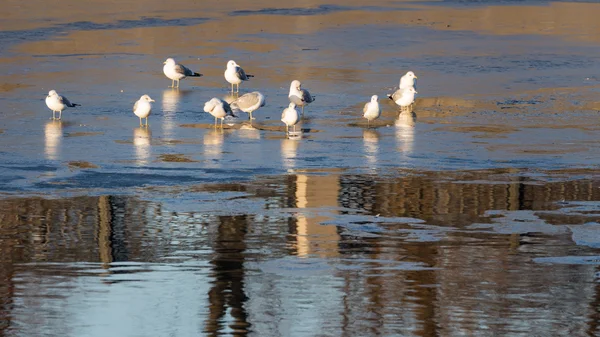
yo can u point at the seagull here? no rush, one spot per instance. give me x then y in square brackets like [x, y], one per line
[299, 96]
[403, 97]
[142, 108]
[176, 72]
[219, 109]
[249, 103]
[234, 74]
[408, 80]
[290, 117]
[372, 111]
[56, 102]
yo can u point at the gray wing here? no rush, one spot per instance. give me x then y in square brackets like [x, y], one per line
[366, 107]
[183, 70]
[135, 106]
[241, 73]
[306, 96]
[65, 101]
[296, 100]
[396, 95]
[246, 101]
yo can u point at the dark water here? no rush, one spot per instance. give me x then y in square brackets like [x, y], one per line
[476, 214]
[423, 255]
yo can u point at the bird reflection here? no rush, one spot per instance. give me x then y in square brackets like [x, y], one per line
[405, 131]
[170, 106]
[53, 134]
[141, 142]
[371, 144]
[213, 146]
[289, 150]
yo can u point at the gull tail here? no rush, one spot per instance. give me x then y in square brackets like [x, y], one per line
[390, 96]
[74, 105]
[196, 75]
[248, 75]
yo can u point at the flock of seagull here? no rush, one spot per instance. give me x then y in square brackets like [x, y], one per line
[249, 102]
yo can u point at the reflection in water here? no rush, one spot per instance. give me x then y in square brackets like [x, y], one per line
[53, 134]
[170, 104]
[141, 141]
[213, 146]
[226, 296]
[405, 131]
[371, 143]
[289, 150]
[312, 238]
[436, 256]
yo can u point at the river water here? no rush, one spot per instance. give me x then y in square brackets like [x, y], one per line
[475, 214]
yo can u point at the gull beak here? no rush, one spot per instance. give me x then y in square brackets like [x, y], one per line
[151, 100]
[416, 77]
[416, 92]
[165, 62]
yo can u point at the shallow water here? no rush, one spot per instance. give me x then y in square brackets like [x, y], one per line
[475, 214]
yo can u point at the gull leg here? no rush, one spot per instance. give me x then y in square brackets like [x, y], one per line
[232, 88]
[141, 122]
[53, 115]
[251, 118]
[177, 84]
[287, 129]
[294, 127]
[146, 121]
[222, 120]
[60, 114]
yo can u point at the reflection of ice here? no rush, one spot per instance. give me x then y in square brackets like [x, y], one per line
[247, 131]
[213, 145]
[170, 104]
[141, 142]
[405, 131]
[53, 136]
[289, 150]
[371, 144]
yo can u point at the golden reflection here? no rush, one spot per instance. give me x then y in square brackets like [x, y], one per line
[53, 134]
[405, 131]
[141, 142]
[371, 144]
[170, 105]
[312, 237]
[289, 150]
[213, 146]
[105, 231]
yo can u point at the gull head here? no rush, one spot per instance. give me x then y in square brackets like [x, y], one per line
[231, 64]
[210, 105]
[296, 85]
[146, 98]
[374, 98]
[169, 61]
[52, 93]
[410, 74]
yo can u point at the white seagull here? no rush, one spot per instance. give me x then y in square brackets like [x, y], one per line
[372, 111]
[142, 108]
[56, 102]
[176, 72]
[249, 103]
[408, 80]
[290, 117]
[299, 96]
[219, 109]
[234, 74]
[403, 97]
